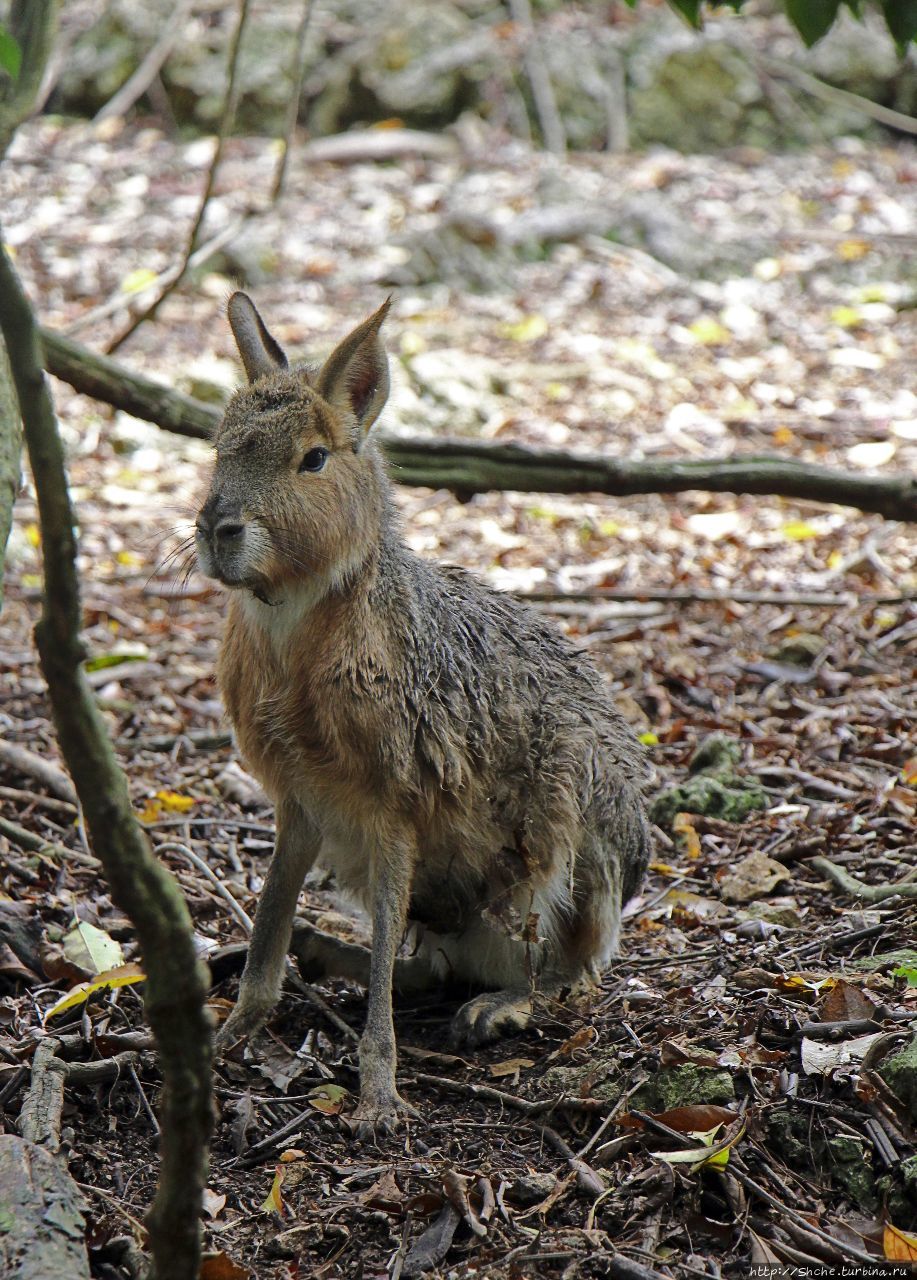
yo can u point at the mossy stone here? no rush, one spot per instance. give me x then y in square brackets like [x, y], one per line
[684, 1086]
[900, 1074]
[713, 786]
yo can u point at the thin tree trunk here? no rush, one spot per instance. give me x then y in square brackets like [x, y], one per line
[480, 466]
[10, 453]
[176, 984]
[33, 24]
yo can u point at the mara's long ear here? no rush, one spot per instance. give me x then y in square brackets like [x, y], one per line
[354, 378]
[260, 352]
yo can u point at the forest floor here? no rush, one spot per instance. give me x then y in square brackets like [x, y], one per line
[790, 627]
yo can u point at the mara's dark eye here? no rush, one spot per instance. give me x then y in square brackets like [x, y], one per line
[314, 460]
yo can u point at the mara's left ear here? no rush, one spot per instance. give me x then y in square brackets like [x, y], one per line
[355, 378]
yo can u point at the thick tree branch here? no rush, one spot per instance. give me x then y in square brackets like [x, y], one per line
[476, 466]
[176, 986]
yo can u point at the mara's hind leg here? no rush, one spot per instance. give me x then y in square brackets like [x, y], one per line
[322, 955]
[580, 938]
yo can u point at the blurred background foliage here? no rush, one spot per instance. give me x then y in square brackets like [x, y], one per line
[681, 74]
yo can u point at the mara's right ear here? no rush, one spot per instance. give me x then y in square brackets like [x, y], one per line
[260, 352]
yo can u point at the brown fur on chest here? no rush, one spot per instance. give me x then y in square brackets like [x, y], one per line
[306, 708]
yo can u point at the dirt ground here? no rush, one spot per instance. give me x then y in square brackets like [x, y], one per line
[789, 627]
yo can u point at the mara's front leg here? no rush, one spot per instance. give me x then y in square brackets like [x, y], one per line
[295, 849]
[380, 1107]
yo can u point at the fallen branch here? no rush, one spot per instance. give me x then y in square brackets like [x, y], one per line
[864, 892]
[839, 97]
[478, 466]
[35, 844]
[34, 766]
[176, 986]
[40, 1117]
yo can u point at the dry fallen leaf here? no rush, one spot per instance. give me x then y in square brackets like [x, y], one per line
[219, 1266]
[511, 1067]
[124, 976]
[273, 1201]
[753, 878]
[328, 1098]
[899, 1246]
[822, 1057]
[212, 1203]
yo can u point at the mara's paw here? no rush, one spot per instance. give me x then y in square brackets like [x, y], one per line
[380, 1114]
[489, 1016]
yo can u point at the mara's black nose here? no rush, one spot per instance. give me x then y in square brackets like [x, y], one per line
[215, 521]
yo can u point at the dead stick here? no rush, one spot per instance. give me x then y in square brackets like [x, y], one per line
[34, 766]
[176, 987]
[850, 1251]
[586, 1177]
[864, 892]
[40, 1118]
[481, 466]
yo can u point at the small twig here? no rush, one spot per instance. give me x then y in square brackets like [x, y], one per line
[309, 993]
[586, 1177]
[92, 1189]
[89, 1073]
[839, 97]
[842, 942]
[200, 865]
[200, 740]
[297, 75]
[34, 766]
[33, 797]
[144, 1099]
[838, 1030]
[864, 892]
[821, 599]
[253, 1154]
[137, 84]
[852, 1253]
[165, 279]
[609, 1120]
[12, 1085]
[226, 122]
[880, 1140]
[36, 844]
[552, 126]
[486, 1093]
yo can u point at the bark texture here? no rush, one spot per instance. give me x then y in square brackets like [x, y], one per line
[176, 986]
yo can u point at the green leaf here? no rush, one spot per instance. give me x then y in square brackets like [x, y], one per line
[812, 18]
[909, 975]
[689, 9]
[10, 53]
[901, 20]
[92, 949]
